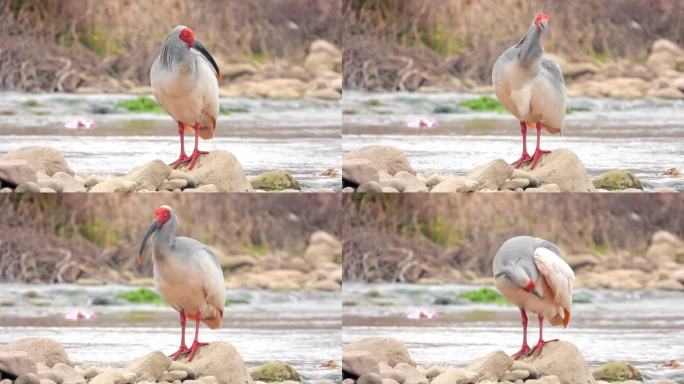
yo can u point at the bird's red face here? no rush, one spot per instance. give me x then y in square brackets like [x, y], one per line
[162, 215]
[541, 20]
[188, 37]
[530, 286]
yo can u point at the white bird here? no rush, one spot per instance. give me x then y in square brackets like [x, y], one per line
[531, 274]
[531, 87]
[187, 275]
[184, 78]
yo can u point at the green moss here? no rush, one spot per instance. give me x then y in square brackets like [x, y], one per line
[484, 103]
[372, 103]
[373, 293]
[600, 57]
[275, 181]
[441, 232]
[226, 111]
[141, 296]
[483, 295]
[142, 104]
[258, 57]
[275, 371]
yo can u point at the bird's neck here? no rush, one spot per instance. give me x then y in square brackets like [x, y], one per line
[531, 50]
[176, 56]
[165, 236]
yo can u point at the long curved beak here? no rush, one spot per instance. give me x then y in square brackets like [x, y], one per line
[198, 46]
[151, 230]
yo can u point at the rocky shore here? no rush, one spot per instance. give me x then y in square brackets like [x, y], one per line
[44, 361]
[45, 170]
[384, 360]
[387, 169]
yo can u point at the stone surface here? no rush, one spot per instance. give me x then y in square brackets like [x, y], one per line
[385, 158]
[67, 374]
[358, 363]
[68, 182]
[617, 371]
[457, 376]
[275, 181]
[149, 176]
[16, 363]
[492, 366]
[491, 175]
[114, 376]
[16, 172]
[409, 182]
[172, 184]
[221, 360]
[28, 378]
[369, 378]
[40, 349]
[29, 187]
[179, 366]
[358, 171]
[617, 180]
[275, 371]
[382, 349]
[41, 159]
[456, 184]
[563, 168]
[115, 184]
[149, 367]
[221, 169]
[561, 359]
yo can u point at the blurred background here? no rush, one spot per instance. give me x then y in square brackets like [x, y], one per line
[69, 273]
[77, 71]
[623, 63]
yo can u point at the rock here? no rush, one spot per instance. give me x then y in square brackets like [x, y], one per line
[576, 70]
[29, 187]
[562, 359]
[519, 365]
[514, 184]
[92, 371]
[116, 184]
[491, 367]
[581, 261]
[275, 181]
[50, 183]
[323, 57]
[665, 247]
[67, 182]
[149, 176]
[16, 172]
[371, 186]
[456, 184]
[382, 349]
[389, 190]
[177, 174]
[345, 381]
[67, 374]
[114, 376]
[663, 56]
[40, 349]
[41, 159]
[563, 168]
[385, 158]
[275, 371]
[28, 378]
[410, 183]
[669, 93]
[456, 376]
[520, 174]
[205, 380]
[16, 363]
[411, 374]
[178, 366]
[8, 381]
[93, 180]
[616, 371]
[617, 180]
[666, 285]
[434, 371]
[358, 363]
[221, 169]
[221, 360]
[344, 190]
[491, 175]
[358, 171]
[515, 374]
[172, 184]
[369, 378]
[149, 367]
[172, 375]
[42, 381]
[323, 247]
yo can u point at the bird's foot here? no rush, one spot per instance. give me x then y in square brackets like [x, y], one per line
[182, 159]
[525, 158]
[196, 345]
[524, 351]
[194, 157]
[537, 350]
[183, 350]
[536, 156]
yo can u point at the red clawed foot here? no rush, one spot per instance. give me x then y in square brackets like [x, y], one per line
[182, 159]
[194, 348]
[183, 350]
[194, 157]
[524, 351]
[536, 156]
[537, 350]
[525, 158]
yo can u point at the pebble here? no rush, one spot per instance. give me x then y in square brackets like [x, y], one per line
[173, 375]
[29, 378]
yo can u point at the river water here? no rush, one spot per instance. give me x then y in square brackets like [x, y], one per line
[644, 136]
[301, 137]
[300, 328]
[643, 328]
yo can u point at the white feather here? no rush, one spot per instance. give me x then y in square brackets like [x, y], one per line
[558, 274]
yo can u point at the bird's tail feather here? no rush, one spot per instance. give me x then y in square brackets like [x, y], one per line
[211, 316]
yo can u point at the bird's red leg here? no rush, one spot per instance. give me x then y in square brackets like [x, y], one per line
[183, 158]
[525, 349]
[537, 350]
[196, 153]
[538, 153]
[525, 157]
[196, 343]
[183, 349]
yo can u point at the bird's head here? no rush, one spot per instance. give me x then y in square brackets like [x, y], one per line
[161, 216]
[541, 21]
[187, 36]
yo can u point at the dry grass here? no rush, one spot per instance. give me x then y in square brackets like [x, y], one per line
[404, 237]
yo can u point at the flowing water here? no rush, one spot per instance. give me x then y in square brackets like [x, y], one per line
[643, 136]
[300, 328]
[643, 328]
[301, 137]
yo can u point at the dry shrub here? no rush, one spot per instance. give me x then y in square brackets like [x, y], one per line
[425, 235]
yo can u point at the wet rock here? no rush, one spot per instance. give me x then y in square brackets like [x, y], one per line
[385, 158]
[29, 187]
[275, 371]
[149, 176]
[221, 360]
[178, 366]
[114, 376]
[563, 168]
[491, 175]
[67, 374]
[173, 184]
[16, 172]
[16, 363]
[28, 378]
[371, 186]
[40, 349]
[275, 181]
[617, 180]
[115, 184]
[358, 171]
[562, 359]
[617, 371]
[456, 184]
[382, 349]
[149, 367]
[491, 367]
[221, 169]
[41, 159]
[457, 376]
[369, 378]
[173, 375]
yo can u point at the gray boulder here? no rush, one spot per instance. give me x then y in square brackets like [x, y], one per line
[41, 159]
[385, 158]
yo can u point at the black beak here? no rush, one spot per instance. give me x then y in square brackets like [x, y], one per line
[198, 46]
[152, 229]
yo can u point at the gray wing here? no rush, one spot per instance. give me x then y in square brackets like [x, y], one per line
[554, 71]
